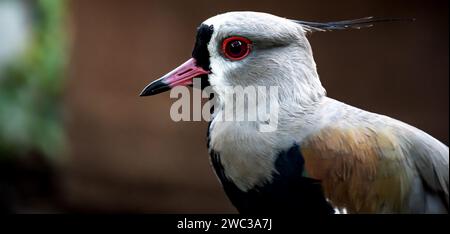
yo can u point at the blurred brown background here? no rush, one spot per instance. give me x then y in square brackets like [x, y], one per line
[126, 154]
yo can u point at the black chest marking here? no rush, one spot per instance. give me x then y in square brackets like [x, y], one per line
[289, 191]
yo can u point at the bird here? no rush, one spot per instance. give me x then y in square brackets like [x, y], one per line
[324, 156]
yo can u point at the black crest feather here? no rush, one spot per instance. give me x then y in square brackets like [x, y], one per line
[365, 22]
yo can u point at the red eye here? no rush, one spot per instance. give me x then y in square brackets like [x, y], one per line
[236, 48]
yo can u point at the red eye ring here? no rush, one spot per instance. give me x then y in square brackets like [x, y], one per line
[236, 48]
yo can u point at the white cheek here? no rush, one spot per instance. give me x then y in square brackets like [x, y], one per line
[219, 66]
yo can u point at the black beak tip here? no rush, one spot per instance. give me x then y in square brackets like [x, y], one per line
[144, 93]
[155, 87]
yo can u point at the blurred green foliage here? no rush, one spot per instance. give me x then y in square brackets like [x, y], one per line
[31, 87]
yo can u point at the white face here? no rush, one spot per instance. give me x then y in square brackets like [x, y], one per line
[278, 54]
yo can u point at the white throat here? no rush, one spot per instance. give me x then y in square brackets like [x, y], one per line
[247, 154]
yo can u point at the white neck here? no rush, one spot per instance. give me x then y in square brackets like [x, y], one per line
[248, 155]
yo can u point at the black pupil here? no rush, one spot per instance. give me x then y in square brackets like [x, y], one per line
[236, 48]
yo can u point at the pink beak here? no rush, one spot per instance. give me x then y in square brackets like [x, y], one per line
[182, 75]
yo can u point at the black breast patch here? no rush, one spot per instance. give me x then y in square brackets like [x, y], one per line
[289, 191]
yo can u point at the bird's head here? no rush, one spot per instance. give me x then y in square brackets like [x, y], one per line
[254, 49]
